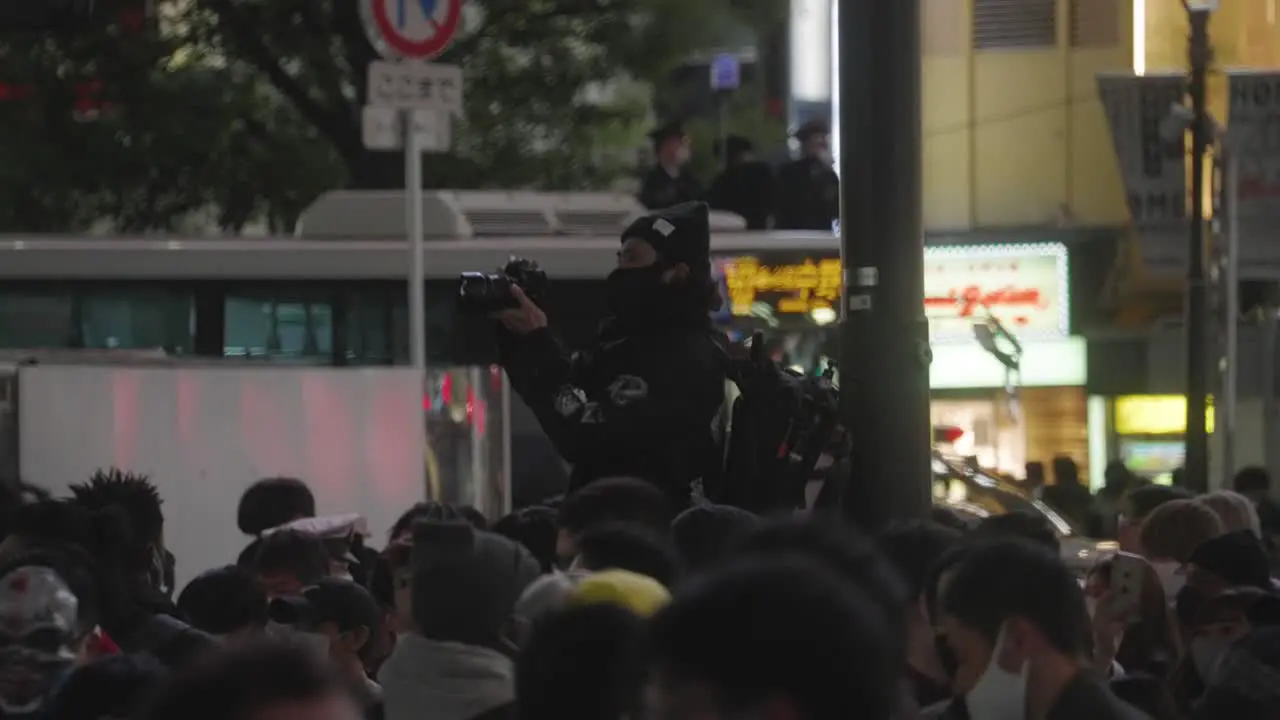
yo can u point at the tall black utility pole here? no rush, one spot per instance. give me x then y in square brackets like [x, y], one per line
[884, 336]
[1197, 459]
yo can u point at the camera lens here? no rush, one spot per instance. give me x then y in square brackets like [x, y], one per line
[483, 293]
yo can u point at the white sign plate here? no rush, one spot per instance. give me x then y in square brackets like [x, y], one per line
[382, 129]
[415, 85]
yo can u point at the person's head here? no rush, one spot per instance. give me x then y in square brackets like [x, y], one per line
[382, 586]
[1235, 511]
[1027, 526]
[1013, 614]
[1234, 559]
[272, 502]
[289, 560]
[1137, 504]
[337, 615]
[640, 594]
[738, 150]
[121, 686]
[815, 140]
[825, 652]
[1117, 475]
[704, 533]
[48, 610]
[1175, 529]
[139, 501]
[1178, 478]
[671, 145]
[627, 546]
[1214, 624]
[229, 601]
[464, 584]
[1065, 471]
[1035, 474]
[1253, 482]
[263, 680]
[542, 597]
[535, 529]
[49, 522]
[848, 554]
[913, 549]
[585, 661]
[606, 501]
[431, 510]
[664, 266]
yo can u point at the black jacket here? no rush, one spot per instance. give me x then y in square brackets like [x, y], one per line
[747, 190]
[637, 405]
[660, 190]
[808, 196]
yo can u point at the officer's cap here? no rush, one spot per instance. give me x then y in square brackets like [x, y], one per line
[667, 131]
[813, 128]
[680, 234]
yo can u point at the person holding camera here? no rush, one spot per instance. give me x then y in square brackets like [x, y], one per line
[643, 402]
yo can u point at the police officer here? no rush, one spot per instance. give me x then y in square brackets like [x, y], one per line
[746, 185]
[668, 182]
[642, 402]
[808, 195]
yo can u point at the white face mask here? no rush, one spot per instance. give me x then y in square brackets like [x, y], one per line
[682, 155]
[1206, 653]
[1172, 578]
[999, 694]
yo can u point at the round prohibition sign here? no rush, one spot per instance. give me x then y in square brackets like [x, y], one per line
[418, 29]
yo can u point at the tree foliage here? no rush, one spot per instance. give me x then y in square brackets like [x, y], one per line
[238, 111]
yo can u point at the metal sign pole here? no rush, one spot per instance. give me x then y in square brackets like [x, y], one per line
[1231, 290]
[417, 274]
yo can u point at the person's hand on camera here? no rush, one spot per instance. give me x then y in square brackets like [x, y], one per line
[523, 319]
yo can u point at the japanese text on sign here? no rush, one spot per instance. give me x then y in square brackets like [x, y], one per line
[415, 85]
[794, 288]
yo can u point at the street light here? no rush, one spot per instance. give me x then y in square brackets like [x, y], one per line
[1172, 128]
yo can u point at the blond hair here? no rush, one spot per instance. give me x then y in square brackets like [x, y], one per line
[1234, 510]
[1173, 530]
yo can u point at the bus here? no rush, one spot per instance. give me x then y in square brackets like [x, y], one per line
[337, 295]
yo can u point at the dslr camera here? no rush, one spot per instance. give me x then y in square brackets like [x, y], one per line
[484, 293]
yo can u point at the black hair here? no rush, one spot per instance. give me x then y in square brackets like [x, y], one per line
[294, 553]
[913, 549]
[704, 533]
[1065, 471]
[582, 662]
[120, 686]
[1252, 479]
[839, 547]
[15, 498]
[610, 500]
[1004, 579]
[436, 512]
[534, 528]
[133, 493]
[1031, 527]
[52, 522]
[816, 640]
[627, 546]
[1142, 501]
[241, 681]
[76, 568]
[272, 502]
[224, 600]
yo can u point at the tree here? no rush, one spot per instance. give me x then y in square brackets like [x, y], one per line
[545, 80]
[172, 137]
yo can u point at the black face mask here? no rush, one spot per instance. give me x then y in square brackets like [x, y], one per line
[635, 292]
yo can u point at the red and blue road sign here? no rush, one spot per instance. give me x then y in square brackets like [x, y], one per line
[415, 29]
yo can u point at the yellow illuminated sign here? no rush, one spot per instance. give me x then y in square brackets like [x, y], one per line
[1155, 415]
[802, 287]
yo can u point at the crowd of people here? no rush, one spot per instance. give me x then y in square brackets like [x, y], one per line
[610, 604]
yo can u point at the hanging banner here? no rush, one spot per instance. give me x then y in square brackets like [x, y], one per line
[1152, 164]
[1254, 137]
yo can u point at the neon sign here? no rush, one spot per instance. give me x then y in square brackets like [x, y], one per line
[1022, 286]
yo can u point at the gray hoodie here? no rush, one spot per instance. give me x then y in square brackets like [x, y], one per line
[433, 680]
